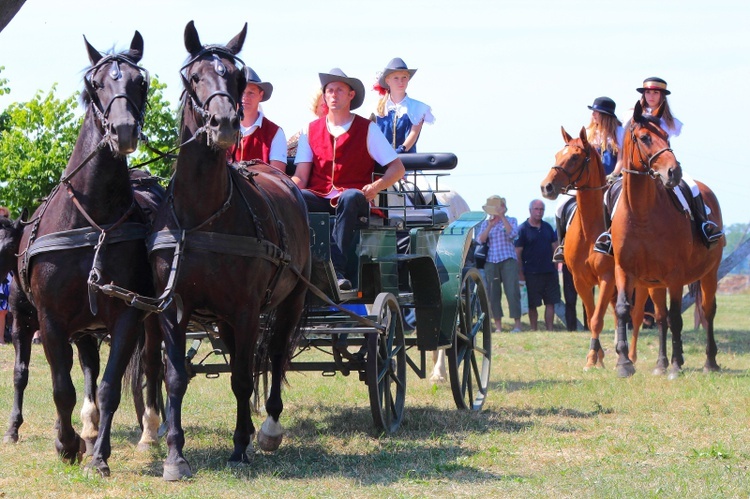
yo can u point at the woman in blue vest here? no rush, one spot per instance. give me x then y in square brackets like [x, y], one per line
[398, 116]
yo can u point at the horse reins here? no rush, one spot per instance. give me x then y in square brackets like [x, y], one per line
[571, 181]
[646, 164]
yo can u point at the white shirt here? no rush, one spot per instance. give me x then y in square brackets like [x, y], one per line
[416, 110]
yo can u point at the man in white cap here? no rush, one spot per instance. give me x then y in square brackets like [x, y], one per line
[336, 157]
[260, 137]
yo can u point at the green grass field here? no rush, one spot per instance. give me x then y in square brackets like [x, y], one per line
[548, 429]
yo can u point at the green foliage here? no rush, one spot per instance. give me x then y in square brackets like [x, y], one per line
[160, 128]
[36, 140]
[4, 88]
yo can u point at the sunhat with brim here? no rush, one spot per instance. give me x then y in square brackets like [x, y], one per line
[494, 203]
[654, 83]
[337, 75]
[604, 105]
[252, 77]
[396, 64]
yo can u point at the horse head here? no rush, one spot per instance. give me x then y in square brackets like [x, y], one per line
[213, 86]
[116, 89]
[577, 166]
[646, 149]
[10, 239]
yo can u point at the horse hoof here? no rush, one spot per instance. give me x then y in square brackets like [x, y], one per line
[146, 446]
[97, 467]
[10, 438]
[269, 443]
[673, 375]
[436, 378]
[711, 368]
[659, 371]
[625, 370]
[174, 472]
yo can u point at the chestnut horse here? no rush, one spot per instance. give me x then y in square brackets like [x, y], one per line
[657, 245]
[89, 232]
[245, 235]
[578, 166]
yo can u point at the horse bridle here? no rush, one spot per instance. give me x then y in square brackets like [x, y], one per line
[571, 181]
[648, 162]
[101, 111]
[202, 107]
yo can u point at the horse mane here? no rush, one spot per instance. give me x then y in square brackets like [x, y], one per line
[85, 99]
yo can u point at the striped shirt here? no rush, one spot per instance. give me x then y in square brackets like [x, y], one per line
[501, 242]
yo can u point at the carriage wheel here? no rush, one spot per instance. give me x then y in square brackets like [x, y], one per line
[470, 355]
[386, 365]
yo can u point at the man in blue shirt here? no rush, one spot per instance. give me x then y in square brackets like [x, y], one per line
[535, 245]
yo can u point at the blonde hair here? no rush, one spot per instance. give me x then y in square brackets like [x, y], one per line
[604, 133]
[315, 102]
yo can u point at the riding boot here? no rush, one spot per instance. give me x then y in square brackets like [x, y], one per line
[709, 230]
[558, 256]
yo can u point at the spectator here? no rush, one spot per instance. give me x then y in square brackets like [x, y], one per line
[534, 247]
[501, 268]
[4, 289]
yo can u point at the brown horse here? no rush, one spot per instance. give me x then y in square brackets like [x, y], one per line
[89, 232]
[656, 245]
[245, 236]
[578, 166]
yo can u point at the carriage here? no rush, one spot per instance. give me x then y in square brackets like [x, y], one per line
[413, 292]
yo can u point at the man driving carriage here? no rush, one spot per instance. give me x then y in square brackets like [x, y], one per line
[336, 157]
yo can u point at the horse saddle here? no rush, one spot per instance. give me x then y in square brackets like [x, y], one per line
[679, 195]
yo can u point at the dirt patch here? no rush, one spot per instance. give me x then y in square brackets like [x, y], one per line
[733, 284]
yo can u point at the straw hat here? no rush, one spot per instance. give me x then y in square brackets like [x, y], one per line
[494, 203]
[654, 83]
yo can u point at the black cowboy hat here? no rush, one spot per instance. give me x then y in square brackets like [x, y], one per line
[337, 74]
[604, 105]
[252, 77]
[654, 83]
[396, 64]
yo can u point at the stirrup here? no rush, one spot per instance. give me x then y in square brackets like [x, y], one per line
[603, 244]
[711, 231]
[559, 256]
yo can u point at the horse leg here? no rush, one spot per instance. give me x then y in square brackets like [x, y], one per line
[153, 368]
[242, 349]
[124, 336]
[439, 373]
[708, 291]
[88, 357]
[625, 367]
[59, 352]
[24, 326]
[176, 466]
[659, 297]
[595, 313]
[280, 351]
[636, 315]
[675, 325]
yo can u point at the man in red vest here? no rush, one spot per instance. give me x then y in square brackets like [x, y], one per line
[260, 137]
[336, 157]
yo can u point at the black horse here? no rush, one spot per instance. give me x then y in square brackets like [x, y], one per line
[231, 242]
[89, 232]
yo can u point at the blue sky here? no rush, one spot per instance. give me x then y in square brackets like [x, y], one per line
[501, 77]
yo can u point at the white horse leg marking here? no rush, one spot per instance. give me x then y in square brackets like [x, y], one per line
[150, 421]
[438, 372]
[90, 420]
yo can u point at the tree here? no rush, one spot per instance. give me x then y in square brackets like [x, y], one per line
[36, 140]
[161, 129]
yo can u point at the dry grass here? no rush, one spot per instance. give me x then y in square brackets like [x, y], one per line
[548, 429]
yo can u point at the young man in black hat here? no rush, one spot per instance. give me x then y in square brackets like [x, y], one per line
[336, 157]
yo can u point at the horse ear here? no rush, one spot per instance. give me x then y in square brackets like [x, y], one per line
[236, 43]
[637, 111]
[94, 55]
[192, 42]
[136, 47]
[582, 136]
[565, 135]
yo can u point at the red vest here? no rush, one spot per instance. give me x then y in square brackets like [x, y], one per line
[255, 146]
[343, 162]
